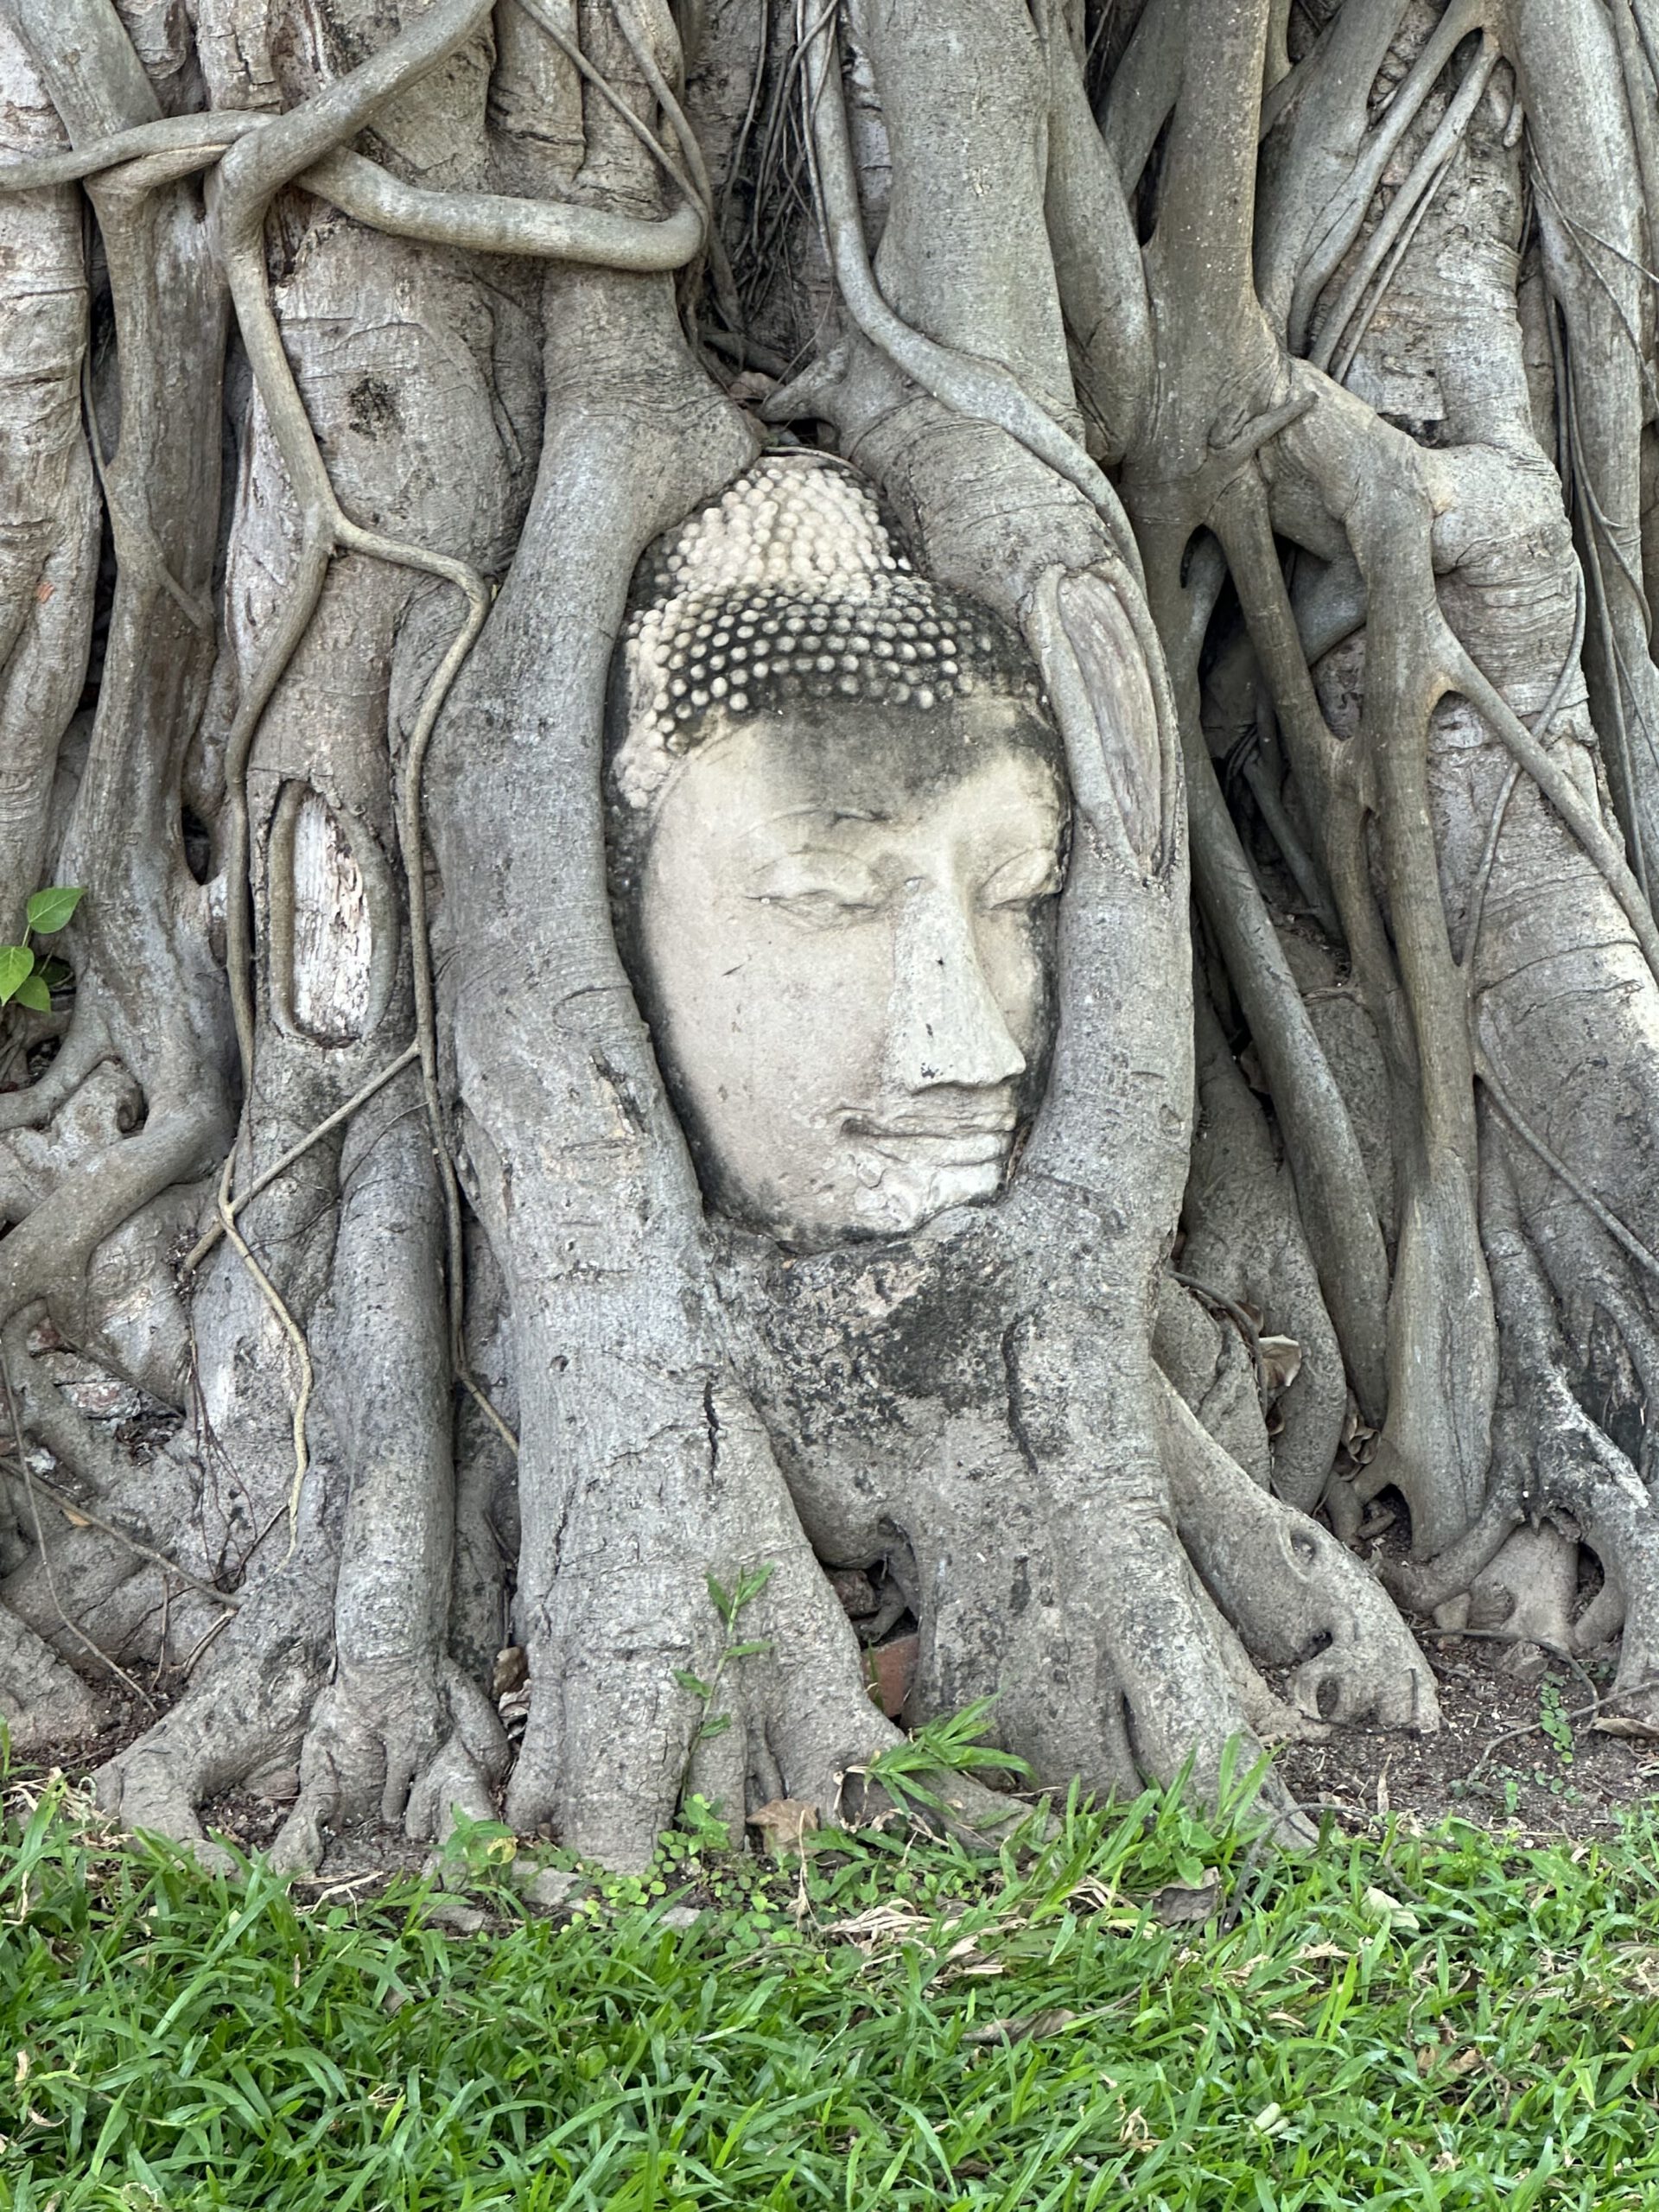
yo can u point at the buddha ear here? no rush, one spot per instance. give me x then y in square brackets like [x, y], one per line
[1107, 702]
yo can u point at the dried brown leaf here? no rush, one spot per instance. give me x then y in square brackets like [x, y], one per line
[785, 1823]
[1180, 1904]
[1022, 2028]
[1281, 1361]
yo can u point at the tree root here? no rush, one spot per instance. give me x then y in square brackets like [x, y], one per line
[404, 1749]
[42, 1700]
[613, 1740]
[1295, 1595]
[249, 1711]
[644, 1464]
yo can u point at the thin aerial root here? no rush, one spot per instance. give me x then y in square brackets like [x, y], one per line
[278, 1168]
[1601, 848]
[80, 1511]
[476, 222]
[426, 1022]
[305, 590]
[486, 1406]
[546, 21]
[1418, 188]
[1230, 1310]
[135, 549]
[1539, 727]
[307, 145]
[696, 169]
[1610, 1220]
[1242, 521]
[1598, 532]
[1363, 320]
[1505, 1105]
[274, 159]
[1323, 256]
[1576, 232]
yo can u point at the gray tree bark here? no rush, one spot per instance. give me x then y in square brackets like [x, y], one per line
[1288, 382]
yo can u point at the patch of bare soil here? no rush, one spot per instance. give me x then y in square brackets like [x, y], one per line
[77, 1756]
[1515, 1746]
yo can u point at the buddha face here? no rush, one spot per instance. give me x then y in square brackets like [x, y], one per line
[846, 935]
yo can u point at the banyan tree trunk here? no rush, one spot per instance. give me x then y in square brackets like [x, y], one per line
[1284, 379]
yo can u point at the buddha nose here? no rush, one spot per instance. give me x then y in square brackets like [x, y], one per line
[945, 1025]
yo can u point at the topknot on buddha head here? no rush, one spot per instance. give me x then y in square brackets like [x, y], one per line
[790, 588]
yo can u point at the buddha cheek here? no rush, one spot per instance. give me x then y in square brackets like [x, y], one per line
[776, 1039]
[825, 1022]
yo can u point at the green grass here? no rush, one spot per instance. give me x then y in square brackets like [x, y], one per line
[1451, 2020]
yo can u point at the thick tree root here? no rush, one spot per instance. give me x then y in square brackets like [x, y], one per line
[41, 1699]
[406, 1752]
[614, 1732]
[246, 1713]
[1064, 1528]
[1296, 1596]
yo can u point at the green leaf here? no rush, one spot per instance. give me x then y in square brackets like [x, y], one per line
[717, 1726]
[479, 1843]
[50, 909]
[751, 1585]
[690, 1682]
[52, 972]
[749, 1650]
[33, 993]
[720, 1600]
[948, 1746]
[16, 962]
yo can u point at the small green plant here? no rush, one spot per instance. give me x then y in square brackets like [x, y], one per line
[484, 1847]
[954, 1746]
[728, 1604]
[699, 1831]
[27, 974]
[1554, 1719]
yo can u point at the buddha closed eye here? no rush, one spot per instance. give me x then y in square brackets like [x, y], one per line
[839, 910]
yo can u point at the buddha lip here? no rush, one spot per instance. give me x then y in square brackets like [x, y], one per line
[963, 1125]
[979, 1140]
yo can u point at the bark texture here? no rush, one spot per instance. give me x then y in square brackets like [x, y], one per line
[1287, 379]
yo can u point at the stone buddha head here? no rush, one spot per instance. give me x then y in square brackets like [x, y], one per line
[838, 816]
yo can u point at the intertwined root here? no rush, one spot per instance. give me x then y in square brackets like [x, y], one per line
[407, 1746]
[244, 1716]
[647, 1688]
[41, 1699]
[1296, 1596]
[1469, 569]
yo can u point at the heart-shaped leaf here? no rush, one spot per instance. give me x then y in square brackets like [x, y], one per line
[50, 909]
[33, 993]
[16, 965]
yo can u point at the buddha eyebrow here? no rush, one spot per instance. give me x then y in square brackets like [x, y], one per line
[832, 815]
